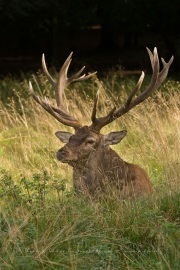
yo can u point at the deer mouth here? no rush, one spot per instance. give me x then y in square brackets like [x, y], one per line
[63, 156]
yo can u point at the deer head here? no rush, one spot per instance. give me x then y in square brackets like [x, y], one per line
[88, 138]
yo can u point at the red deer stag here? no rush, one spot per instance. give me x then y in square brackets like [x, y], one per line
[96, 167]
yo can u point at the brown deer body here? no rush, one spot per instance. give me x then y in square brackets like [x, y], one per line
[97, 169]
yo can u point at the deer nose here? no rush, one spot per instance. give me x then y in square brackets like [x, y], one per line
[61, 154]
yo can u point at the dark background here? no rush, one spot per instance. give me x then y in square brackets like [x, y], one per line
[103, 34]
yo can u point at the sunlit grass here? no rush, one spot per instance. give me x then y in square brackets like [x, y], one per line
[44, 226]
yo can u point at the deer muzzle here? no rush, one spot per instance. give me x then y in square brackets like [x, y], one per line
[61, 155]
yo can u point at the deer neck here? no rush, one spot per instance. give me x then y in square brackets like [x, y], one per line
[102, 157]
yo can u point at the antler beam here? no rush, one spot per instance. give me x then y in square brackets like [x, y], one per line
[157, 79]
[59, 112]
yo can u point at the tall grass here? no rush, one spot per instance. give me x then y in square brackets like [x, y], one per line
[44, 225]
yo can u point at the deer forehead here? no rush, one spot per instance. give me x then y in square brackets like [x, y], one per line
[83, 133]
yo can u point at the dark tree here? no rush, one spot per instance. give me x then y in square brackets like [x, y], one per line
[36, 26]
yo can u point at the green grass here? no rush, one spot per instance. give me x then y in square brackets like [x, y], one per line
[44, 225]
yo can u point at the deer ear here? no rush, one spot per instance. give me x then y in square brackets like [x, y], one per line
[63, 136]
[114, 137]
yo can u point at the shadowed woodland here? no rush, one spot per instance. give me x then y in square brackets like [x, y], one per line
[101, 33]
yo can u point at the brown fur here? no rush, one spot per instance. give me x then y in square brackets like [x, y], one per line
[98, 170]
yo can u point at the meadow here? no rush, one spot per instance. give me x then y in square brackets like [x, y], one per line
[44, 224]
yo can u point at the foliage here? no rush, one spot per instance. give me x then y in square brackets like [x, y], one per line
[45, 225]
[42, 232]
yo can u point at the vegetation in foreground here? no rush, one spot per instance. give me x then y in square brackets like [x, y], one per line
[44, 225]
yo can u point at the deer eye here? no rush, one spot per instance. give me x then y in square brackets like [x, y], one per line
[90, 141]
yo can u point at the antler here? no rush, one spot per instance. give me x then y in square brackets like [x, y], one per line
[59, 112]
[156, 80]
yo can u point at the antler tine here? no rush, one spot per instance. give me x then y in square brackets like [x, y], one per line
[59, 112]
[76, 78]
[55, 112]
[163, 74]
[50, 79]
[156, 80]
[64, 81]
[155, 67]
[93, 117]
[136, 89]
[98, 122]
[151, 56]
